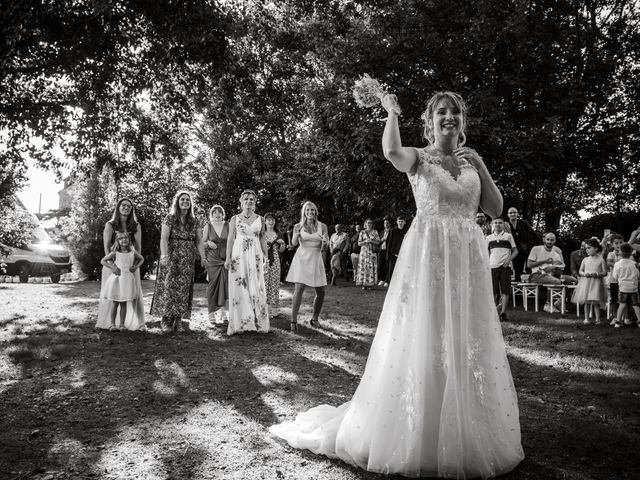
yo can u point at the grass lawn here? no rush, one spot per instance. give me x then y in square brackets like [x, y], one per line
[81, 404]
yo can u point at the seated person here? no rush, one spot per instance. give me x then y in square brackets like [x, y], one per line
[546, 263]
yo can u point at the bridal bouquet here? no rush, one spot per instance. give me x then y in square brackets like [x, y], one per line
[368, 92]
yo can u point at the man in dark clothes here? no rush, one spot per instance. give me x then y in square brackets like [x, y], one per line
[394, 242]
[525, 238]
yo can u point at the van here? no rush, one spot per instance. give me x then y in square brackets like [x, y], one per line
[39, 258]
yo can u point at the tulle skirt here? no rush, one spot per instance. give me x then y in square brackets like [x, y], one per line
[436, 397]
[135, 308]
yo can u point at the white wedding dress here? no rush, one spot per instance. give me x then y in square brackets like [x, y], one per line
[436, 397]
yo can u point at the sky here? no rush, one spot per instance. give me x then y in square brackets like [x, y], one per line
[40, 182]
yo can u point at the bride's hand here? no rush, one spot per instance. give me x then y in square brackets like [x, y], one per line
[471, 156]
[390, 103]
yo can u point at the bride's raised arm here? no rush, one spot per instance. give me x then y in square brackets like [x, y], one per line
[403, 158]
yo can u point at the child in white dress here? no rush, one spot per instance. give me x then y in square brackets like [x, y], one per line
[590, 290]
[121, 286]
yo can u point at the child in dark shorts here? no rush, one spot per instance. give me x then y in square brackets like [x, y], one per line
[626, 274]
[612, 257]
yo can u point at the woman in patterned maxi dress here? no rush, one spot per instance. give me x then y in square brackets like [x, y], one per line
[246, 248]
[369, 240]
[275, 247]
[179, 239]
[436, 397]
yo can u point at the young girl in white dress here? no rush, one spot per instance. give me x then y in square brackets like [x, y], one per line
[591, 288]
[121, 287]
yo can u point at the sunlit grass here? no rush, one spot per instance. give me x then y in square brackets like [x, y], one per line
[573, 363]
[172, 378]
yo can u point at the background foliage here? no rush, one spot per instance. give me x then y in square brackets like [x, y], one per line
[221, 96]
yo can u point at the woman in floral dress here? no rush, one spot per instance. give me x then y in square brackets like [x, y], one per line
[275, 246]
[179, 239]
[246, 247]
[369, 240]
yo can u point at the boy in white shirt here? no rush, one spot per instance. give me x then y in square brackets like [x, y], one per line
[502, 249]
[626, 274]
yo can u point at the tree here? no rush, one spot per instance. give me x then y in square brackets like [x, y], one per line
[82, 230]
[16, 226]
[72, 74]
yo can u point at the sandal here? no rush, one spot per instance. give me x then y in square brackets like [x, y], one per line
[113, 328]
[293, 326]
[315, 322]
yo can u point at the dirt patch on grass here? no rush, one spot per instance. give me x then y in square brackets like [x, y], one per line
[78, 403]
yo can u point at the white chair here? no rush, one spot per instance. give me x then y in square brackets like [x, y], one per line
[526, 290]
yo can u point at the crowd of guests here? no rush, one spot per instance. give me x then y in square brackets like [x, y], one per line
[604, 271]
[245, 257]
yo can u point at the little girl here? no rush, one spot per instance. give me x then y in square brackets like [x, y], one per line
[590, 290]
[121, 286]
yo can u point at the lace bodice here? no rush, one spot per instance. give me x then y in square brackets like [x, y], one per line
[436, 192]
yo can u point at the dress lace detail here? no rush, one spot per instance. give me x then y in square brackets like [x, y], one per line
[436, 397]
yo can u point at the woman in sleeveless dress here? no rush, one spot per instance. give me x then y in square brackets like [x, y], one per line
[307, 267]
[179, 240]
[123, 220]
[121, 287]
[369, 242]
[436, 397]
[246, 247]
[275, 247]
[214, 244]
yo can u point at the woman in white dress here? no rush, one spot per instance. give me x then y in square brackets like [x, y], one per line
[123, 220]
[246, 247]
[307, 267]
[436, 397]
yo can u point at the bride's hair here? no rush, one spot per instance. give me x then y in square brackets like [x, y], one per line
[454, 100]
[306, 204]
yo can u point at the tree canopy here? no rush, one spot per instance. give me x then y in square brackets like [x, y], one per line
[238, 93]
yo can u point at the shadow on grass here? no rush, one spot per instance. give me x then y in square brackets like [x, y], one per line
[197, 404]
[88, 387]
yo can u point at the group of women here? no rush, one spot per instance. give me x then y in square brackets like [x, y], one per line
[436, 397]
[241, 257]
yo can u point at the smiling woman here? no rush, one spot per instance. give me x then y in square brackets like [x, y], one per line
[436, 397]
[123, 221]
[180, 236]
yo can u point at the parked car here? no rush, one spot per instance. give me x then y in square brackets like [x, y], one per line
[40, 259]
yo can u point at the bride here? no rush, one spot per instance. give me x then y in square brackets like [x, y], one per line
[436, 397]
